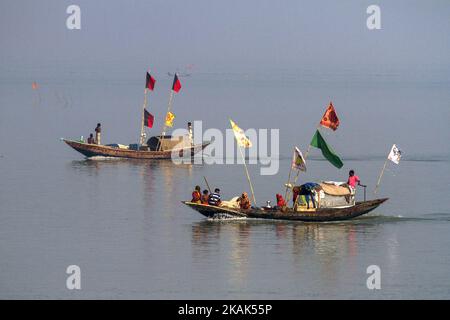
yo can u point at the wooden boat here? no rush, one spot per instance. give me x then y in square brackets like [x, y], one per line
[94, 150]
[308, 215]
[157, 147]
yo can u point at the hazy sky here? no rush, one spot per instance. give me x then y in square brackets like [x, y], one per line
[231, 35]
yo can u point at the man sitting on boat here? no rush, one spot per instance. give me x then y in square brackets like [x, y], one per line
[214, 198]
[205, 197]
[244, 201]
[281, 203]
[91, 140]
[196, 196]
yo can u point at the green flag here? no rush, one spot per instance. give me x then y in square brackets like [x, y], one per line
[319, 142]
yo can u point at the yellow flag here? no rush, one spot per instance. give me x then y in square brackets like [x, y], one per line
[239, 134]
[169, 119]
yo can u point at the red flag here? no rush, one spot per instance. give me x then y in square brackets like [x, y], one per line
[150, 82]
[330, 119]
[176, 86]
[148, 119]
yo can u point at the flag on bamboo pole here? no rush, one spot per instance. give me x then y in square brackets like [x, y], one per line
[319, 142]
[330, 119]
[176, 86]
[150, 82]
[395, 154]
[169, 119]
[298, 161]
[240, 136]
[148, 119]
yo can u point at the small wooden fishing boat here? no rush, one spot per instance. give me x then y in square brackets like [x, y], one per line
[143, 152]
[308, 215]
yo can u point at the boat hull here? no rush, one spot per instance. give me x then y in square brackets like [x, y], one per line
[319, 215]
[94, 150]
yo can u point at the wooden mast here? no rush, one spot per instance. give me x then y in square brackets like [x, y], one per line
[298, 172]
[169, 107]
[289, 179]
[248, 176]
[141, 139]
[381, 174]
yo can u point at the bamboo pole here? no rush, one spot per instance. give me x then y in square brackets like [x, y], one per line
[141, 139]
[248, 176]
[169, 107]
[293, 184]
[289, 179]
[307, 150]
[379, 178]
[207, 184]
[298, 172]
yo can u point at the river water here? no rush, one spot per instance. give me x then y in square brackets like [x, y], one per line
[123, 224]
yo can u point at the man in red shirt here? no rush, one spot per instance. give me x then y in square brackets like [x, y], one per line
[353, 180]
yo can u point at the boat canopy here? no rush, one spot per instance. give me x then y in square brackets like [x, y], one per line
[168, 142]
[330, 194]
[334, 189]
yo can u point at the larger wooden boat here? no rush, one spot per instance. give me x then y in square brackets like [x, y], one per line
[157, 147]
[143, 152]
[308, 215]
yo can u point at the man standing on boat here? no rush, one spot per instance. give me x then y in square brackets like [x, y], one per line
[98, 131]
[353, 180]
[306, 190]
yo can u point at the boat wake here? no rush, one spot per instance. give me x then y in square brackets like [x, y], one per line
[225, 216]
[380, 218]
[102, 158]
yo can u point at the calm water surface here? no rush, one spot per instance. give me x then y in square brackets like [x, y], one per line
[122, 221]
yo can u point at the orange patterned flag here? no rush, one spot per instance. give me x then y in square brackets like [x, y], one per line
[330, 119]
[34, 85]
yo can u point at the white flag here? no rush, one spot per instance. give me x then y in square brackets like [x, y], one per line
[298, 161]
[395, 154]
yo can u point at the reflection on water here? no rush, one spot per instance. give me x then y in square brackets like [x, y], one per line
[325, 245]
[210, 237]
[123, 222]
[149, 172]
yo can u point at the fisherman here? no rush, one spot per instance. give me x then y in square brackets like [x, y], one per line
[196, 196]
[205, 197]
[214, 198]
[244, 201]
[306, 190]
[91, 140]
[98, 131]
[353, 180]
[280, 201]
